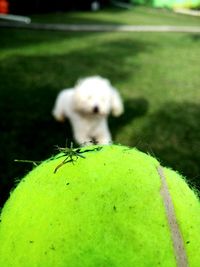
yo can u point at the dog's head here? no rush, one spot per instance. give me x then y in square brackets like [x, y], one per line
[95, 95]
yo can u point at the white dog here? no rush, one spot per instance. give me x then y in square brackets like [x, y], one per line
[87, 106]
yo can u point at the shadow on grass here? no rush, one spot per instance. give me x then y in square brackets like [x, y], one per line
[29, 85]
[12, 38]
[108, 58]
[75, 17]
[195, 37]
[133, 108]
[172, 135]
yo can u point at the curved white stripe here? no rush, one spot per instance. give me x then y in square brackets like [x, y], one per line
[179, 250]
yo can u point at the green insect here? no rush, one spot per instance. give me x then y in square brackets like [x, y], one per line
[71, 154]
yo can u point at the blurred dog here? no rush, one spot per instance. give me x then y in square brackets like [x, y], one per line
[87, 106]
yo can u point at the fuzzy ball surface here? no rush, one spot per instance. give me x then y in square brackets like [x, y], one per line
[116, 207]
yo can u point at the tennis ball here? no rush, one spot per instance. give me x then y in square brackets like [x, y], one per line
[116, 207]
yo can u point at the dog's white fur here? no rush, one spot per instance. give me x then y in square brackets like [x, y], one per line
[87, 106]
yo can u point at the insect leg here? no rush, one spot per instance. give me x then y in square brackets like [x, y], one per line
[61, 164]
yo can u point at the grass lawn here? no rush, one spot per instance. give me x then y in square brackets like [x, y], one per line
[157, 74]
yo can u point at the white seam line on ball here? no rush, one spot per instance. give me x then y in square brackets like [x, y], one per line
[180, 253]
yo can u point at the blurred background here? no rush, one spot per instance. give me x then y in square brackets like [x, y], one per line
[157, 74]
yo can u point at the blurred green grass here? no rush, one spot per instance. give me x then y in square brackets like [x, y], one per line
[157, 75]
[137, 16]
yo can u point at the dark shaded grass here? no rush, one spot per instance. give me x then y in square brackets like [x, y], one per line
[172, 134]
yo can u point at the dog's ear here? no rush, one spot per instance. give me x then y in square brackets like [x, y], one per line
[57, 111]
[117, 107]
[79, 82]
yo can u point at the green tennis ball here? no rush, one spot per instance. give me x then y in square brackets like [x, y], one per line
[117, 207]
